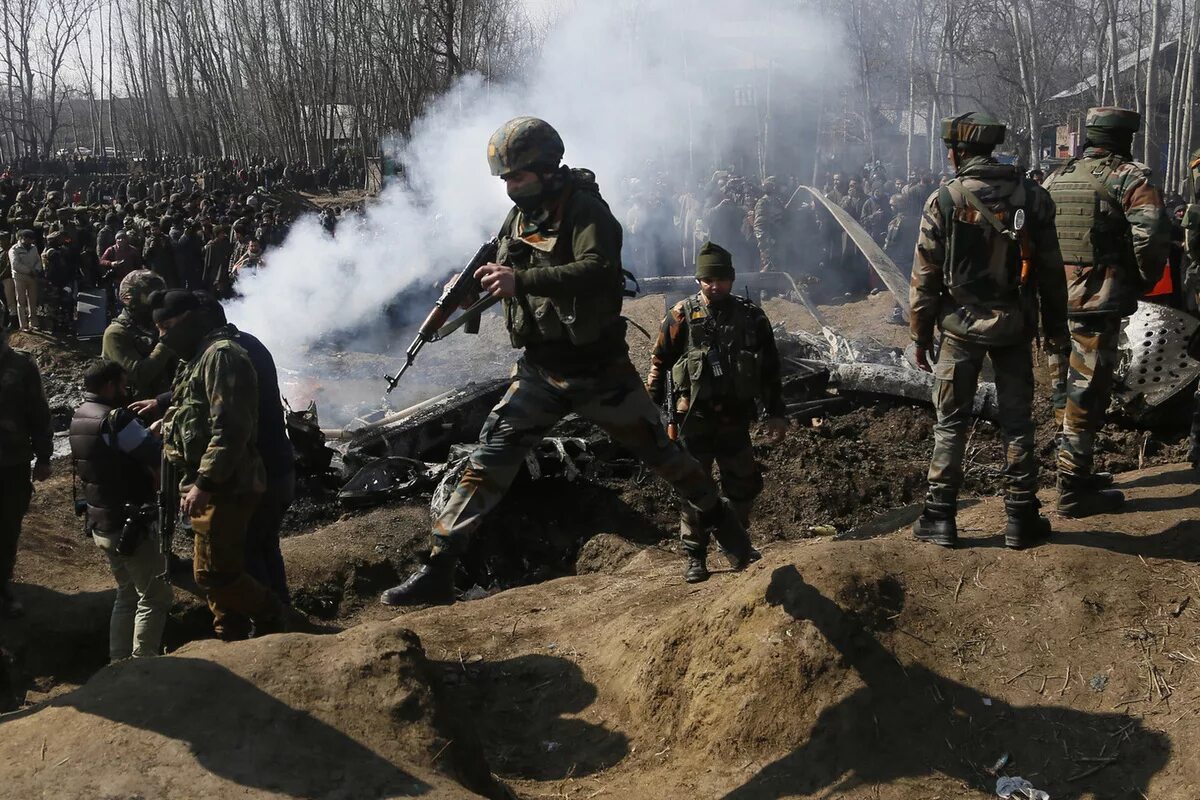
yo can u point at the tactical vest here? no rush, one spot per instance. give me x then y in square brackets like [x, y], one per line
[729, 346]
[982, 266]
[111, 479]
[1091, 223]
[532, 319]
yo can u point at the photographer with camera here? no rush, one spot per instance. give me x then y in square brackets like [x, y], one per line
[117, 458]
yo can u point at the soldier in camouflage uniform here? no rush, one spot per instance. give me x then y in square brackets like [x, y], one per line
[47, 214]
[1114, 234]
[1191, 238]
[558, 270]
[768, 225]
[209, 436]
[131, 339]
[22, 212]
[986, 248]
[720, 351]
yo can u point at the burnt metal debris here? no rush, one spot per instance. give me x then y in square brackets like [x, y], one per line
[422, 449]
[1155, 363]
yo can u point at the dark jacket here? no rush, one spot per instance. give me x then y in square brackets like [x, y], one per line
[115, 457]
[25, 429]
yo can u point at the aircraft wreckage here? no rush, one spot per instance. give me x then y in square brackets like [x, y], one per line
[422, 449]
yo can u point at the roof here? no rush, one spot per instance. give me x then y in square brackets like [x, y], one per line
[1124, 64]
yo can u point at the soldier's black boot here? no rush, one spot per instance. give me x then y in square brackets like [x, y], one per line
[432, 584]
[697, 566]
[732, 536]
[1078, 498]
[1099, 480]
[937, 525]
[1026, 527]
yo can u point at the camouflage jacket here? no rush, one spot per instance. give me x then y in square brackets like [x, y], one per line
[149, 363]
[768, 217]
[569, 281]
[991, 307]
[21, 216]
[210, 430]
[1120, 275]
[751, 368]
[25, 429]
[45, 218]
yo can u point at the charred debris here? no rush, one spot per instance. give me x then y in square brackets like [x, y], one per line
[422, 450]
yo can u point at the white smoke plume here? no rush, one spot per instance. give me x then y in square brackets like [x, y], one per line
[623, 81]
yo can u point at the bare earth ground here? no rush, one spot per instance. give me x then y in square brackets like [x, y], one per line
[861, 666]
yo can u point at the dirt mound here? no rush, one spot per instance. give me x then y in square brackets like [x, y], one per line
[350, 716]
[61, 362]
[875, 668]
[860, 667]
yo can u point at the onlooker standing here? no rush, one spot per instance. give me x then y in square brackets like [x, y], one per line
[6, 278]
[26, 264]
[117, 458]
[25, 433]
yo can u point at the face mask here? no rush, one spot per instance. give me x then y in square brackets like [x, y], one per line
[527, 197]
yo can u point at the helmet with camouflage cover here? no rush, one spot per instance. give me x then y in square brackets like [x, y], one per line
[974, 127]
[136, 288]
[1113, 118]
[524, 143]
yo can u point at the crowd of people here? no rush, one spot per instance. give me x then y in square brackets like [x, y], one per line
[196, 230]
[774, 225]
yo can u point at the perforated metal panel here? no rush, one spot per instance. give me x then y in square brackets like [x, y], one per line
[1155, 365]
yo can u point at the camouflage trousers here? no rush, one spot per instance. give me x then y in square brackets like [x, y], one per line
[956, 377]
[712, 437]
[768, 253]
[1082, 389]
[616, 400]
[219, 566]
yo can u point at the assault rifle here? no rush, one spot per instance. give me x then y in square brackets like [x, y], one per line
[461, 288]
[168, 509]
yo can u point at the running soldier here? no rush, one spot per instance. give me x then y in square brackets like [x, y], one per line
[558, 270]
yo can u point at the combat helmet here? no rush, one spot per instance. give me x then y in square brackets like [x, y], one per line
[974, 127]
[136, 288]
[1113, 118]
[524, 143]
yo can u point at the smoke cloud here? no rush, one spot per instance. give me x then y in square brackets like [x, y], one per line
[626, 83]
